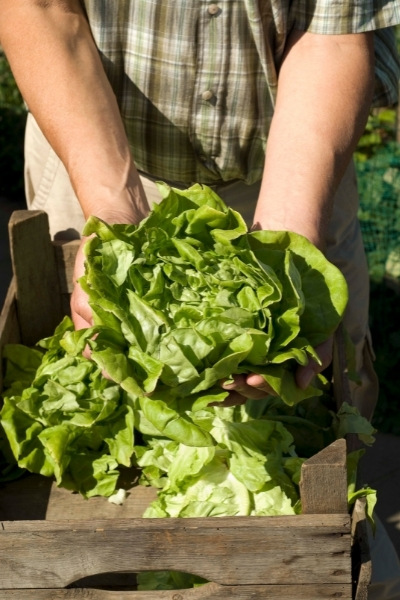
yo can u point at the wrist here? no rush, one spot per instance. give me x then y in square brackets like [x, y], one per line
[115, 203]
[314, 231]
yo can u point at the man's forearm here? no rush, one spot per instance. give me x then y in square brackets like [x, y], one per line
[324, 95]
[59, 72]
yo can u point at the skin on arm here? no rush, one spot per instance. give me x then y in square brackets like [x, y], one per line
[58, 69]
[323, 100]
[324, 96]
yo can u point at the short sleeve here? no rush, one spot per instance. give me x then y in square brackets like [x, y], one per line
[337, 17]
[340, 17]
[387, 68]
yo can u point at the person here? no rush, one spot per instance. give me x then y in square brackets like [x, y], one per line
[263, 101]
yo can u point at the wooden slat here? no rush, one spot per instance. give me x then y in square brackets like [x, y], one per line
[37, 288]
[303, 549]
[210, 591]
[299, 522]
[65, 254]
[9, 327]
[302, 557]
[362, 564]
[323, 485]
[35, 497]
[63, 505]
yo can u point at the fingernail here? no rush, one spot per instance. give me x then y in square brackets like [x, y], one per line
[228, 386]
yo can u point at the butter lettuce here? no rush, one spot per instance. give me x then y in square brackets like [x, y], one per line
[181, 301]
[189, 297]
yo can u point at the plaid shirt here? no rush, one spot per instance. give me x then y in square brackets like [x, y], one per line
[196, 80]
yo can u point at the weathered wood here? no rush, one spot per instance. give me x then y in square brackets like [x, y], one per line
[65, 254]
[37, 288]
[303, 549]
[36, 497]
[210, 591]
[362, 565]
[64, 505]
[328, 523]
[323, 485]
[68, 541]
[26, 497]
[9, 327]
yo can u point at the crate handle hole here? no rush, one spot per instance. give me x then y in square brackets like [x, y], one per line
[145, 580]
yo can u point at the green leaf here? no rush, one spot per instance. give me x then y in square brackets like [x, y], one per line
[172, 425]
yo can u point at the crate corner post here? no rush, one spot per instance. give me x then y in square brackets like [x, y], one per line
[36, 281]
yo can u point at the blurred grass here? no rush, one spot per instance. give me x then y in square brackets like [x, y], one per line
[385, 300]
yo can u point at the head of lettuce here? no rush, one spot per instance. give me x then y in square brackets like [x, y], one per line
[181, 301]
[189, 297]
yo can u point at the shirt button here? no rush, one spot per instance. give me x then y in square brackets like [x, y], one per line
[207, 95]
[214, 9]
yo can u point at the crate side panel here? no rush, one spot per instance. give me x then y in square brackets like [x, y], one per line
[223, 553]
[208, 592]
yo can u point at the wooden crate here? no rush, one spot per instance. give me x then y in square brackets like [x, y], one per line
[54, 544]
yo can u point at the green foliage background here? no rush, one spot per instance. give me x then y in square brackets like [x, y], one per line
[378, 168]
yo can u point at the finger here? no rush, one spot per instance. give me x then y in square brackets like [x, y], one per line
[79, 321]
[249, 386]
[233, 399]
[258, 381]
[87, 353]
[80, 310]
[305, 375]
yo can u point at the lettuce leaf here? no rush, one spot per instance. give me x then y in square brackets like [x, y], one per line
[195, 298]
[186, 298]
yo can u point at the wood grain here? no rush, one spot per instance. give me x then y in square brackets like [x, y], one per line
[36, 497]
[9, 327]
[65, 254]
[323, 485]
[362, 565]
[51, 539]
[37, 288]
[303, 549]
[210, 591]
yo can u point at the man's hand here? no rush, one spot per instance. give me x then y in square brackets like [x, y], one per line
[80, 310]
[254, 387]
[137, 208]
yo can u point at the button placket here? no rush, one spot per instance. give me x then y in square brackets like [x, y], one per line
[206, 116]
[208, 95]
[213, 10]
